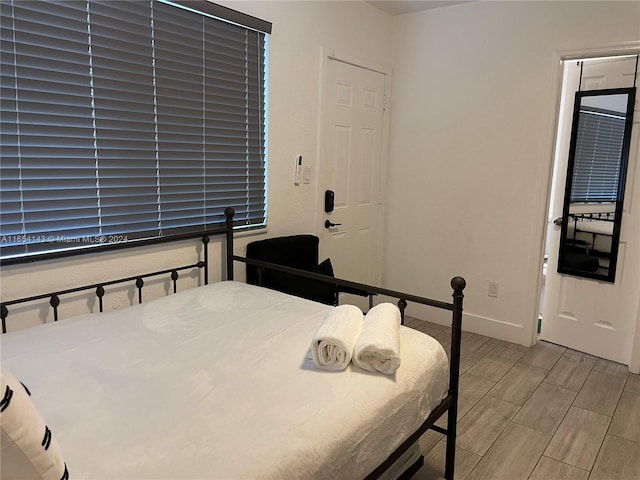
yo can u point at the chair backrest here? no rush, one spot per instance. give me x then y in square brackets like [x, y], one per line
[296, 251]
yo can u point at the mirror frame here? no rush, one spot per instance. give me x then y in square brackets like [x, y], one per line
[624, 162]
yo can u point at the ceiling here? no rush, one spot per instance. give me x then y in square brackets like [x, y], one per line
[399, 7]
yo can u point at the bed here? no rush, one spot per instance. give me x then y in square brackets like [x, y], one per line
[217, 382]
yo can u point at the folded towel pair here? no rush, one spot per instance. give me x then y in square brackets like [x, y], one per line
[371, 341]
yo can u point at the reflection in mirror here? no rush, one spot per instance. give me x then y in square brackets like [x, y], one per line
[596, 174]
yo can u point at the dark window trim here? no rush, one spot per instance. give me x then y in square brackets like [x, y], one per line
[226, 13]
[53, 255]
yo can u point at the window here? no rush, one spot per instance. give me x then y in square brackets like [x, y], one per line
[598, 153]
[128, 122]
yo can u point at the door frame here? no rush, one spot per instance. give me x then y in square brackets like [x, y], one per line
[331, 55]
[626, 48]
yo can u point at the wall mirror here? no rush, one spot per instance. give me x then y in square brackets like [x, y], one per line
[596, 174]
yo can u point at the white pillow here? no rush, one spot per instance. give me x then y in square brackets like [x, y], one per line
[29, 450]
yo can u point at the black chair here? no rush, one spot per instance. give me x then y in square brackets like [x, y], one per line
[296, 251]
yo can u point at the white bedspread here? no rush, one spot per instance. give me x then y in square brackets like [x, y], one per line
[216, 383]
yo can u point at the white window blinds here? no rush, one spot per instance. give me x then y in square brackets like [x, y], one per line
[128, 121]
[598, 153]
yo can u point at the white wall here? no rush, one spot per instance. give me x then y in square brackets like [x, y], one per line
[300, 31]
[473, 111]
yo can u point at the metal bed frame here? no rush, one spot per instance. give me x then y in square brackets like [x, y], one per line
[590, 248]
[448, 404]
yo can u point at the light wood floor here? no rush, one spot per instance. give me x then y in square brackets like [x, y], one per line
[539, 413]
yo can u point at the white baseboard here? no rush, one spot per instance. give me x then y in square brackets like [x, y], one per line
[491, 327]
[471, 322]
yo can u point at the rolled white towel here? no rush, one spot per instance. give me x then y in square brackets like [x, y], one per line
[332, 344]
[378, 347]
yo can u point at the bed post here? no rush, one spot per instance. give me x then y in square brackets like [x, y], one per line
[458, 284]
[402, 306]
[229, 212]
[205, 247]
[4, 312]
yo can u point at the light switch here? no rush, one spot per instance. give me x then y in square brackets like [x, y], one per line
[297, 177]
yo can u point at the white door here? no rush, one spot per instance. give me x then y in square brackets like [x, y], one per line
[350, 166]
[589, 315]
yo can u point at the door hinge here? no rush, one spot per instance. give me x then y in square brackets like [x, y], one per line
[385, 102]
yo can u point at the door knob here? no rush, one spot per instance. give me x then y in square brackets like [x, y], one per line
[328, 224]
[557, 221]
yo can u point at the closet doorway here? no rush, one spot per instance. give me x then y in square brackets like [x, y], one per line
[587, 314]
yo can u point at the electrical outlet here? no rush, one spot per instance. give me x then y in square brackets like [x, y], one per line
[492, 290]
